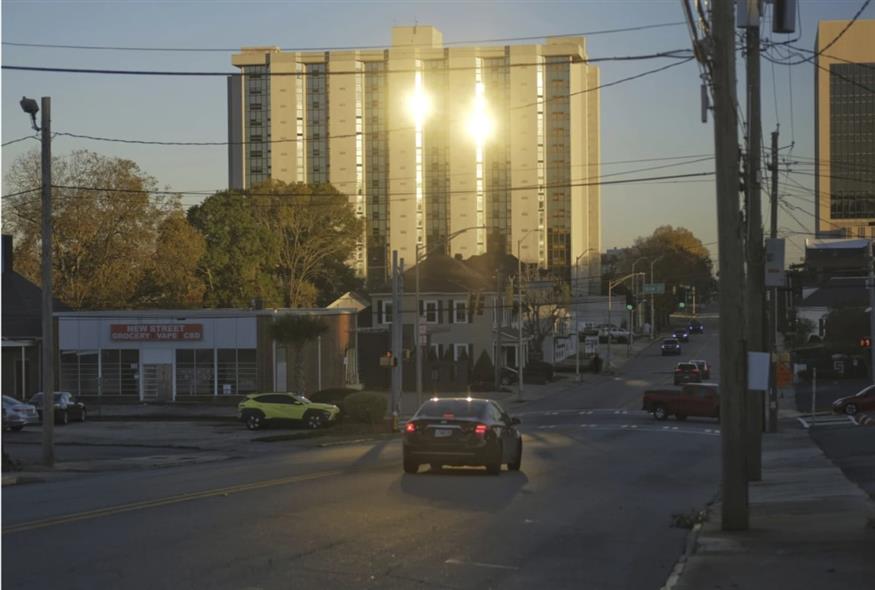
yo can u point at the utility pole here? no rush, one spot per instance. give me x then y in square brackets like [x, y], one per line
[870, 284]
[47, 362]
[397, 336]
[520, 356]
[773, 327]
[755, 292]
[417, 346]
[48, 326]
[499, 320]
[734, 509]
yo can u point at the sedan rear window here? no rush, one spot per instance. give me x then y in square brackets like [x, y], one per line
[458, 408]
[670, 341]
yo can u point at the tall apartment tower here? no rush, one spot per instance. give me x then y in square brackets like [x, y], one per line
[845, 129]
[461, 150]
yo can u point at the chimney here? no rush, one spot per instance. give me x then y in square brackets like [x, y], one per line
[7, 253]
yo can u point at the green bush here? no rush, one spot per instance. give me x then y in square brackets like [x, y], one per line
[335, 395]
[365, 407]
[484, 370]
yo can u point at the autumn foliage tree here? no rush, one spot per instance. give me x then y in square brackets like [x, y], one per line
[104, 240]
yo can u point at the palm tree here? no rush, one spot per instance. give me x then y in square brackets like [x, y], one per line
[296, 331]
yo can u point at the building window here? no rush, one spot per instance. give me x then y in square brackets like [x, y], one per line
[461, 352]
[460, 312]
[79, 372]
[120, 372]
[194, 371]
[430, 311]
[236, 371]
[385, 312]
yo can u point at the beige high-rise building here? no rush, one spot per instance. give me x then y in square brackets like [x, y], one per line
[845, 129]
[462, 150]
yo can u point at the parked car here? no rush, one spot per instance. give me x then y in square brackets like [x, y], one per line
[687, 373]
[260, 409]
[693, 399]
[696, 327]
[704, 368]
[17, 415]
[67, 407]
[535, 372]
[862, 401]
[682, 335]
[670, 346]
[462, 431]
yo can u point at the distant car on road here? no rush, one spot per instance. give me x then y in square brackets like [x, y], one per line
[670, 346]
[862, 401]
[681, 335]
[687, 373]
[462, 431]
[693, 399]
[67, 407]
[259, 409]
[704, 368]
[696, 327]
[17, 415]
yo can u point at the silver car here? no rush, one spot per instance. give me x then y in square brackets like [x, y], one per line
[16, 414]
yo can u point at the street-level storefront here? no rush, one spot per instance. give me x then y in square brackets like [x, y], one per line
[184, 354]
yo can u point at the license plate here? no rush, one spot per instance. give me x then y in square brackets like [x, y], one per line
[442, 432]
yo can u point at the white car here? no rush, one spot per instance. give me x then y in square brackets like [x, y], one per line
[16, 414]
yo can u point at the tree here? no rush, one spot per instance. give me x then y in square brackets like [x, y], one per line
[296, 331]
[546, 300]
[171, 279]
[284, 243]
[313, 228]
[103, 239]
[844, 328]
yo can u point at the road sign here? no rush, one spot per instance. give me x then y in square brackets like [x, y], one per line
[654, 288]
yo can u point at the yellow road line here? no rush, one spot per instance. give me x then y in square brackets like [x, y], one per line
[145, 504]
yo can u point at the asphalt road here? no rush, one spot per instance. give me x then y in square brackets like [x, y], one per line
[591, 508]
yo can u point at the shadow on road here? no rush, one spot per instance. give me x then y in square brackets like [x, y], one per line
[463, 488]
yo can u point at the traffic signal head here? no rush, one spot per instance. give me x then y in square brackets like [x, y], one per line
[865, 342]
[682, 305]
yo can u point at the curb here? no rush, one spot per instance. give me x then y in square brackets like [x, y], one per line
[690, 549]
[15, 480]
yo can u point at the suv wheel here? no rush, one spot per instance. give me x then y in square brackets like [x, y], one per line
[313, 420]
[254, 420]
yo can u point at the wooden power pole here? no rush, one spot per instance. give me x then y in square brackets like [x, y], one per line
[733, 365]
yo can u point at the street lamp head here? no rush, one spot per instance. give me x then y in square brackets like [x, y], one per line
[30, 106]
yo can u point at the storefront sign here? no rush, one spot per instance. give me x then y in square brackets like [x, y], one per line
[157, 332]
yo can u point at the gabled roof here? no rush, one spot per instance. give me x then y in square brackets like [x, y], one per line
[350, 300]
[441, 274]
[839, 292]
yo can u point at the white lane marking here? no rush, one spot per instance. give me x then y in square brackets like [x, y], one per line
[585, 413]
[481, 564]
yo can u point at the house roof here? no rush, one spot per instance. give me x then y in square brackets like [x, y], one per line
[839, 292]
[350, 300]
[22, 307]
[441, 274]
[836, 244]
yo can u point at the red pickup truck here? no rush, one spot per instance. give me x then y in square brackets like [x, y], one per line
[693, 399]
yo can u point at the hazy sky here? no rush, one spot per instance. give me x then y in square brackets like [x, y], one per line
[654, 117]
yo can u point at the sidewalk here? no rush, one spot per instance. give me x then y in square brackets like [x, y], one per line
[809, 528]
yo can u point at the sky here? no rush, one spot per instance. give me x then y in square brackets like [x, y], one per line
[657, 116]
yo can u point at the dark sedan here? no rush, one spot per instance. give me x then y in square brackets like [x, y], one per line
[462, 431]
[681, 335]
[670, 346]
[862, 401]
[67, 407]
[696, 327]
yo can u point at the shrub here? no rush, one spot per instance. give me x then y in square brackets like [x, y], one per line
[484, 371]
[335, 395]
[365, 407]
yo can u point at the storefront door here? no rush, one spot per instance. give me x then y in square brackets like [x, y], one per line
[158, 382]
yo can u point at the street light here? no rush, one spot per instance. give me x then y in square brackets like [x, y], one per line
[417, 346]
[29, 106]
[520, 363]
[635, 284]
[611, 285]
[652, 309]
[576, 320]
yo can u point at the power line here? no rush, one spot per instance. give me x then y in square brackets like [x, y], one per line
[672, 54]
[411, 194]
[348, 48]
[19, 139]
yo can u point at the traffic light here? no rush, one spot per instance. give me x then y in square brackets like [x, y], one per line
[865, 342]
[630, 301]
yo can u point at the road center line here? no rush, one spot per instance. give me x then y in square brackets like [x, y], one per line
[480, 564]
[145, 504]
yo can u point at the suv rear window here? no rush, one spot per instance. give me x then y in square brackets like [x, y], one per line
[459, 408]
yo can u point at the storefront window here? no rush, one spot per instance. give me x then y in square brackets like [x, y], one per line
[120, 372]
[237, 371]
[194, 372]
[79, 372]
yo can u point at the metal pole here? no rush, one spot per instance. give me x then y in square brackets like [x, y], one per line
[396, 337]
[520, 367]
[499, 320]
[755, 256]
[734, 507]
[417, 344]
[813, 395]
[608, 356]
[871, 287]
[773, 330]
[48, 327]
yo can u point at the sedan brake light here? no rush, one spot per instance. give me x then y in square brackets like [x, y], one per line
[410, 427]
[480, 430]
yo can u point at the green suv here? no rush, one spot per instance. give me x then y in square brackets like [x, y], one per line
[259, 409]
